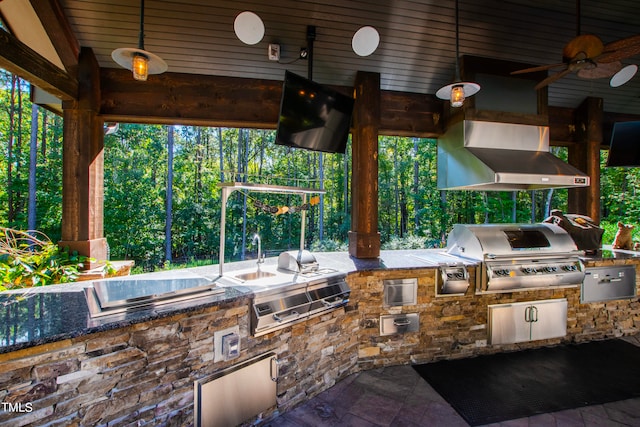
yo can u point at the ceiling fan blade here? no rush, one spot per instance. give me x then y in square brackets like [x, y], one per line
[552, 78]
[620, 49]
[623, 43]
[539, 68]
[600, 71]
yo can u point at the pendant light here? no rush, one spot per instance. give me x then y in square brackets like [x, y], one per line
[457, 91]
[138, 60]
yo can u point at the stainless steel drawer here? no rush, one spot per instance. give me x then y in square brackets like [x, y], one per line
[400, 292]
[399, 323]
[608, 283]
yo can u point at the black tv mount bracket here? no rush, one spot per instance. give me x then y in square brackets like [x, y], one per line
[307, 52]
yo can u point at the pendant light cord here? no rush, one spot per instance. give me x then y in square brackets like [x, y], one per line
[578, 13]
[457, 77]
[141, 36]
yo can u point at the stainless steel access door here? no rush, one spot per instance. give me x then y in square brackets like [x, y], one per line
[236, 394]
[527, 321]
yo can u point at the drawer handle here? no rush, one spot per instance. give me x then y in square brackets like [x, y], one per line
[274, 369]
[281, 319]
[402, 322]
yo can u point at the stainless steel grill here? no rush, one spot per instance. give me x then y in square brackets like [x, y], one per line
[280, 307]
[518, 256]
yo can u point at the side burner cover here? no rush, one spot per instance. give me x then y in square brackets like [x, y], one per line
[297, 261]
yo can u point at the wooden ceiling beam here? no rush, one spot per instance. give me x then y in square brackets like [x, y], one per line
[59, 30]
[174, 98]
[20, 59]
[190, 99]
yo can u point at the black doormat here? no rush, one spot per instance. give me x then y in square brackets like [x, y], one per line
[505, 386]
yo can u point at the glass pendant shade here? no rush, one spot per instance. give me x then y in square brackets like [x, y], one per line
[457, 96]
[140, 67]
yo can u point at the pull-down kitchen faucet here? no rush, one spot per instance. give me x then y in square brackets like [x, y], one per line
[256, 238]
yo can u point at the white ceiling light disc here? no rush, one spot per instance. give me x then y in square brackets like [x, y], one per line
[248, 27]
[624, 75]
[365, 41]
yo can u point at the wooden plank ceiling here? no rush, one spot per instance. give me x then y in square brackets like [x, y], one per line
[417, 47]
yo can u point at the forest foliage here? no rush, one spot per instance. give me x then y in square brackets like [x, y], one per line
[412, 212]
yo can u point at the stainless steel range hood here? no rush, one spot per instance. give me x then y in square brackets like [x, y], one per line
[489, 156]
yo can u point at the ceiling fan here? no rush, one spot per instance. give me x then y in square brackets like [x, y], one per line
[590, 58]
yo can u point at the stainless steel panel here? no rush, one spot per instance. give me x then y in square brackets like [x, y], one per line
[236, 394]
[399, 323]
[608, 283]
[399, 292]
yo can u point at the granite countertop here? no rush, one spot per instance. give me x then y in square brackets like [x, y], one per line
[60, 312]
[607, 252]
[37, 316]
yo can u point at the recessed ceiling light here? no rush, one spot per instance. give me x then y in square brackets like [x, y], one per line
[365, 41]
[249, 27]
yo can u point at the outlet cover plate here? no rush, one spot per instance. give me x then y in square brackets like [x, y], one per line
[217, 341]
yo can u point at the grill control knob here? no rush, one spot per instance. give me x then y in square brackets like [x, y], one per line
[550, 269]
[569, 267]
[501, 272]
[528, 270]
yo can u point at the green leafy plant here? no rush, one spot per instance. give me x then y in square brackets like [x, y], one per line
[29, 258]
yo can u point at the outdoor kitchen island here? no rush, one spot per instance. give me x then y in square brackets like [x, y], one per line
[142, 366]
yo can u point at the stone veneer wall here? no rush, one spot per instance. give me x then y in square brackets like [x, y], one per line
[456, 326]
[146, 372]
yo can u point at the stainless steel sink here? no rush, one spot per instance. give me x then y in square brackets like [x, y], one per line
[254, 275]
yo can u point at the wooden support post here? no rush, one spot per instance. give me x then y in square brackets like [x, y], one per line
[364, 238]
[83, 167]
[585, 155]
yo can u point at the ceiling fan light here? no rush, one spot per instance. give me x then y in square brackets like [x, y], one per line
[140, 67]
[624, 75]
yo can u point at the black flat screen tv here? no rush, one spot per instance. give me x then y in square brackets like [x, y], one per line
[624, 149]
[313, 116]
